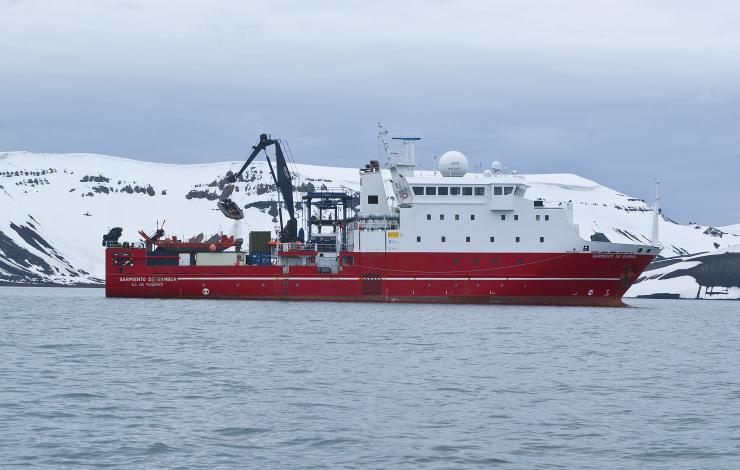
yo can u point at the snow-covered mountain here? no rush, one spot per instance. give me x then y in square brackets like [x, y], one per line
[54, 209]
[714, 275]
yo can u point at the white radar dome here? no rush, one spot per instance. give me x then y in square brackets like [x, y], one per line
[496, 167]
[453, 163]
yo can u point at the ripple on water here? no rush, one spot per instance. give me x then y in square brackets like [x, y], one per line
[159, 448]
[232, 432]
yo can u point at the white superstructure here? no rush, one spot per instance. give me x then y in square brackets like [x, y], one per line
[449, 210]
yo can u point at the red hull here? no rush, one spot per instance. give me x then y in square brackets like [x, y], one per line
[597, 279]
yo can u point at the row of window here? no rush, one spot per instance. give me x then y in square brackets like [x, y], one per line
[461, 191]
[472, 217]
[453, 190]
[443, 239]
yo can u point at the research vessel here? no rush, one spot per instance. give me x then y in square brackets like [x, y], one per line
[447, 236]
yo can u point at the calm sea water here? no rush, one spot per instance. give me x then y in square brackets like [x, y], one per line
[87, 381]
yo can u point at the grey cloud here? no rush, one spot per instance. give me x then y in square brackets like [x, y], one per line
[618, 91]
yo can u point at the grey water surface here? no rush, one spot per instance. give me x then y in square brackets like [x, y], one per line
[87, 381]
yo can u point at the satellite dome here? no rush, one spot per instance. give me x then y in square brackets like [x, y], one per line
[453, 163]
[496, 167]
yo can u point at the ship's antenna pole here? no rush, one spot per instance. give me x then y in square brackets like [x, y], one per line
[655, 238]
[382, 132]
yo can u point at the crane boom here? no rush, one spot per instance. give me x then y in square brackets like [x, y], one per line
[283, 180]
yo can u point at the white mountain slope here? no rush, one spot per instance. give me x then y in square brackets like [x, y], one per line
[714, 275]
[55, 208]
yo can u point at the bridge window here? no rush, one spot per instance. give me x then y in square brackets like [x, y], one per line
[493, 239]
[517, 239]
[497, 190]
[467, 239]
[454, 190]
[441, 217]
[508, 190]
[348, 260]
[467, 191]
[431, 190]
[418, 239]
[419, 190]
[480, 190]
[503, 216]
[442, 190]
[429, 216]
[372, 199]
[444, 239]
[472, 216]
[457, 216]
[542, 239]
[516, 216]
[547, 217]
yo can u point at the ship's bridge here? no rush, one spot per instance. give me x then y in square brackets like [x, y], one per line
[500, 193]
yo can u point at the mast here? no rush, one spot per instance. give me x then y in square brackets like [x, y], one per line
[655, 238]
[401, 167]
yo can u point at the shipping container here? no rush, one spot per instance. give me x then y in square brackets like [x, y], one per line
[220, 259]
[259, 241]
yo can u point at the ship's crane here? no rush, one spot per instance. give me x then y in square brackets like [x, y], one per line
[282, 179]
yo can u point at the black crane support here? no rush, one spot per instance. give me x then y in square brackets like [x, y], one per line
[282, 179]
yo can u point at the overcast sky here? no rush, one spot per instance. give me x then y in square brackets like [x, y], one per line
[617, 91]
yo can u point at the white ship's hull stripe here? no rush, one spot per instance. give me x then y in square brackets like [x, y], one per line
[338, 278]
